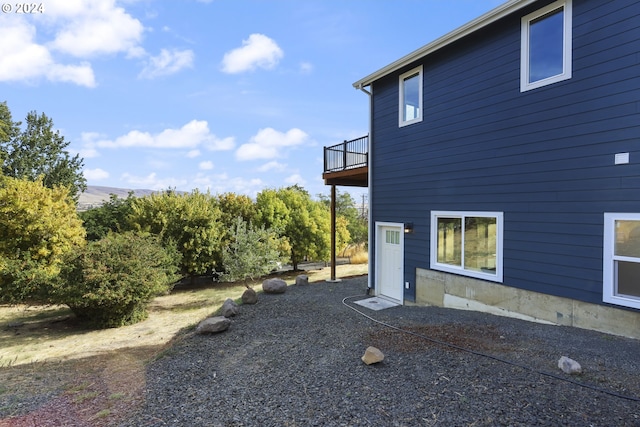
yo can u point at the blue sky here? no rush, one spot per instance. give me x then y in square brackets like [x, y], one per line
[220, 95]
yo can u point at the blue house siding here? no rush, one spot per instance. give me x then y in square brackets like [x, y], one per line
[543, 157]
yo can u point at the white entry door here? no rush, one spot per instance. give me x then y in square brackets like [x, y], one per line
[390, 241]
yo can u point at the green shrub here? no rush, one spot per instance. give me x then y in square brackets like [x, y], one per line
[111, 216]
[110, 282]
[253, 252]
[191, 222]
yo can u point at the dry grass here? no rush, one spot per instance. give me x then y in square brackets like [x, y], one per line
[97, 378]
[31, 334]
[357, 254]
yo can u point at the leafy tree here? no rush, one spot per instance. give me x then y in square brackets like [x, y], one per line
[233, 206]
[252, 252]
[343, 237]
[111, 281]
[38, 226]
[272, 212]
[40, 151]
[346, 208]
[111, 216]
[304, 222]
[8, 128]
[190, 221]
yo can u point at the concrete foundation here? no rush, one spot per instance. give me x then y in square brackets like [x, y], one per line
[449, 290]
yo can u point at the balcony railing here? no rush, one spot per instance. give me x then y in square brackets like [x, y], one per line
[347, 155]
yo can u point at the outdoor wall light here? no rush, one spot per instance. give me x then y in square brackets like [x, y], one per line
[408, 227]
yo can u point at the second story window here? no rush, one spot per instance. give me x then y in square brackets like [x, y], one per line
[411, 97]
[546, 46]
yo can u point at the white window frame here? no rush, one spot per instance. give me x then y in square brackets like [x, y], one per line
[435, 265]
[525, 85]
[609, 273]
[401, 120]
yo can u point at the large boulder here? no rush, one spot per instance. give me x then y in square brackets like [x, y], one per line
[274, 286]
[302, 279]
[229, 308]
[213, 325]
[249, 296]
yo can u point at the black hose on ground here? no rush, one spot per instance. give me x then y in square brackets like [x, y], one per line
[489, 356]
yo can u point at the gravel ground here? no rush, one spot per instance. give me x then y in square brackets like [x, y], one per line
[294, 359]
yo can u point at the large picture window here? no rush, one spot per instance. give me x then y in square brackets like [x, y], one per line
[621, 279]
[468, 243]
[411, 97]
[546, 46]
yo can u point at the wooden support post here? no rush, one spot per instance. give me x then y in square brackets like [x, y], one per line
[333, 233]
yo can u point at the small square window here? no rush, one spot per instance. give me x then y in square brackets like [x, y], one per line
[546, 46]
[411, 97]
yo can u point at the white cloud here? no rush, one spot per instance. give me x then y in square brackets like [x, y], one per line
[95, 174]
[224, 144]
[207, 165]
[90, 137]
[79, 74]
[166, 63]
[306, 67]
[222, 183]
[191, 135]
[258, 51]
[152, 182]
[94, 28]
[88, 149]
[275, 166]
[193, 154]
[269, 143]
[21, 59]
[84, 29]
[295, 179]
[88, 152]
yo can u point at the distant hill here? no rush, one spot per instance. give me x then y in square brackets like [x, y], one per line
[95, 195]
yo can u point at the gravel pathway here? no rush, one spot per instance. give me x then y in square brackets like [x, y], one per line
[294, 360]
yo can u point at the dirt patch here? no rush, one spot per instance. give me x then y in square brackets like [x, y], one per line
[95, 391]
[448, 337]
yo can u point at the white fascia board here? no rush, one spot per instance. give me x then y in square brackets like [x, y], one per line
[482, 21]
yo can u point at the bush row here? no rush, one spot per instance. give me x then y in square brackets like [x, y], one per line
[107, 263]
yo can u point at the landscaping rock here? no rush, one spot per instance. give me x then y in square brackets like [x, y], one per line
[213, 325]
[249, 296]
[569, 366]
[302, 279]
[229, 308]
[372, 355]
[274, 286]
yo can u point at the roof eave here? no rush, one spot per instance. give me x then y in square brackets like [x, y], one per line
[472, 26]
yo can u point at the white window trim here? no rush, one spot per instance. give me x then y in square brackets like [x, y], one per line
[524, 48]
[435, 265]
[401, 121]
[609, 293]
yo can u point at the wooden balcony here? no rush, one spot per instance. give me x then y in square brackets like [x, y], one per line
[347, 163]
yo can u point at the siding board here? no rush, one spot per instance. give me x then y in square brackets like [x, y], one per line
[544, 157]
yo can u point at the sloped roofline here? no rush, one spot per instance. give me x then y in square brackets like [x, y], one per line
[480, 22]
